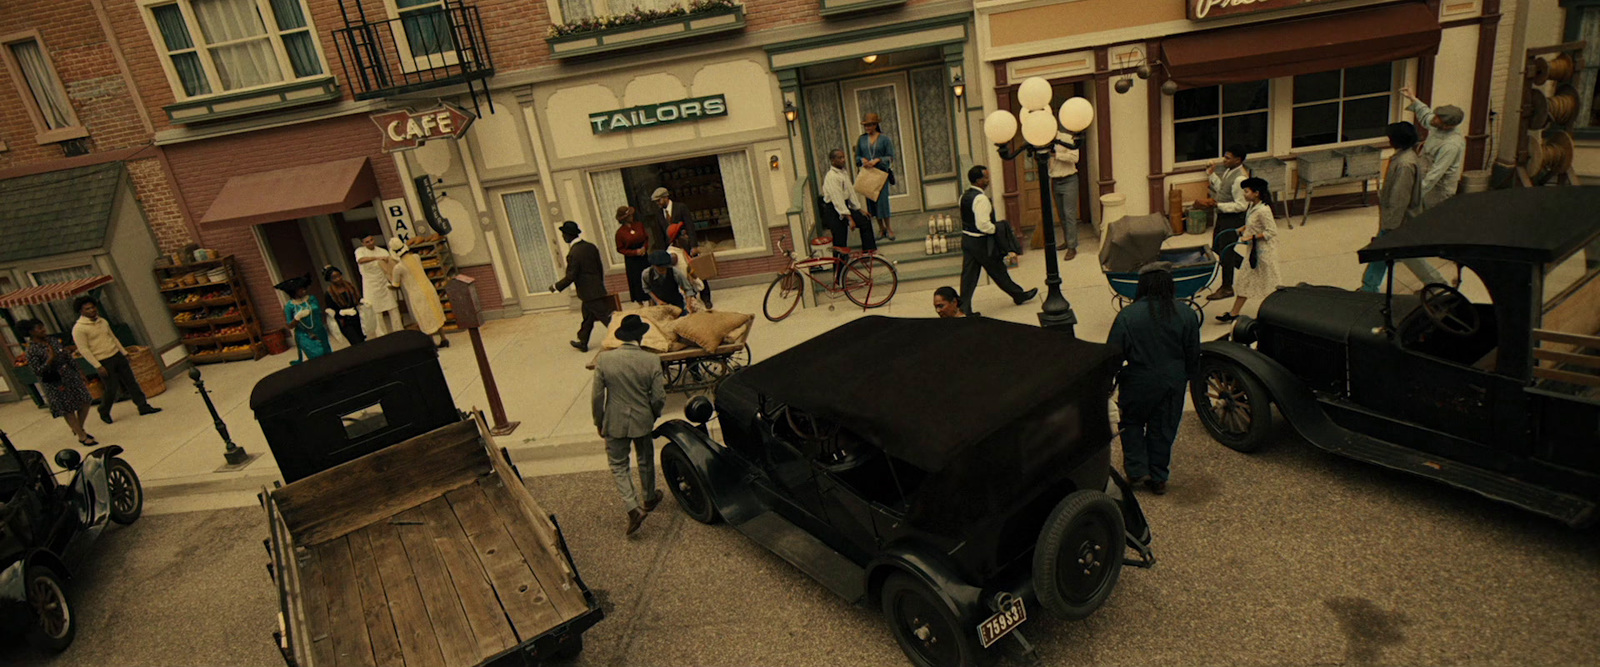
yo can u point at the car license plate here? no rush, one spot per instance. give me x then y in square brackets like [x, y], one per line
[1002, 623]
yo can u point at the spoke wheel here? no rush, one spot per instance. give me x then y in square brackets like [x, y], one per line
[1232, 404]
[127, 495]
[869, 281]
[54, 625]
[782, 296]
[687, 485]
[1079, 554]
[924, 626]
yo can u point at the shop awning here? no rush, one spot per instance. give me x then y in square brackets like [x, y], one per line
[1301, 46]
[33, 296]
[295, 192]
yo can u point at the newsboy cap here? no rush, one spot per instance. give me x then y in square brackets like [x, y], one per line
[660, 193]
[1450, 114]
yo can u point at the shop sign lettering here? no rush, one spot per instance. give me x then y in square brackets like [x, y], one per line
[633, 118]
[407, 129]
[1201, 10]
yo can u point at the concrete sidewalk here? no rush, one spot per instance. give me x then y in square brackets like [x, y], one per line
[544, 384]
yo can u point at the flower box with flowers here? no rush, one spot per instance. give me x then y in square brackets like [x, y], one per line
[644, 26]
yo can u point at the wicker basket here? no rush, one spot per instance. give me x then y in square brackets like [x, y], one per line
[145, 371]
[1321, 166]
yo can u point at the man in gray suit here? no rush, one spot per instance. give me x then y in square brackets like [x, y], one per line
[629, 392]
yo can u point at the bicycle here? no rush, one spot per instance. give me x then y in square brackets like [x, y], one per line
[869, 281]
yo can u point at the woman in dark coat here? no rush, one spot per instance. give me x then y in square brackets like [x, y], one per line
[1160, 339]
[344, 299]
[631, 243]
[64, 387]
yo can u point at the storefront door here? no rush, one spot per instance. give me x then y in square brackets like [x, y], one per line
[1031, 196]
[889, 96]
[537, 246]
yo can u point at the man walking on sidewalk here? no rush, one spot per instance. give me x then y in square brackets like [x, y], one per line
[629, 392]
[980, 249]
[100, 347]
[1227, 197]
[583, 268]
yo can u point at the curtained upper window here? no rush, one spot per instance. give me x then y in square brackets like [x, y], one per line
[218, 46]
[41, 90]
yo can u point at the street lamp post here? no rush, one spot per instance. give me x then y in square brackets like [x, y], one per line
[1038, 129]
[234, 455]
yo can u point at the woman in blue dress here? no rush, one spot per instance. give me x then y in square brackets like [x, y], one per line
[873, 149]
[304, 315]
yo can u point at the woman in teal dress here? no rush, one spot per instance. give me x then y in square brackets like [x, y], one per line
[304, 315]
[873, 149]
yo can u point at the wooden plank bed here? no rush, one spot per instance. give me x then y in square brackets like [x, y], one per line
[427, 553]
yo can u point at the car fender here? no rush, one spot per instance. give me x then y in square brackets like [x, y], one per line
[726, 478]
[92, 490]
[933, 571]
[12, 586]
[1295, 401]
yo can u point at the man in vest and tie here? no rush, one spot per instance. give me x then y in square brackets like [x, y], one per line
[980, 249]
[1227, 197]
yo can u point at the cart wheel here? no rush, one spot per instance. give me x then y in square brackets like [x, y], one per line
[570, 648]
[1079, 554]
[782, 295]
[924, 625]
[127, 495]
[1232, 404]
[53, 626]
[687, 484]
[869, 281]
[671, 374]
[701, 377]
[739, 360]
[1119, 301]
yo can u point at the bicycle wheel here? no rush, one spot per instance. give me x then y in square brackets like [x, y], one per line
[782, 295]
[870, 281]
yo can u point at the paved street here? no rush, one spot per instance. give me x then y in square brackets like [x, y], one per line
[1289, 556]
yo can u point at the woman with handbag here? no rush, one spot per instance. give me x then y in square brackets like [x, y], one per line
[873, 149]
[64, 387]
[632, 244]
[1257, 275]
[344, 301]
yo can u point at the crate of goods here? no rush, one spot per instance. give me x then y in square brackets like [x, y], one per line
[1320, 166]
[1361, 160]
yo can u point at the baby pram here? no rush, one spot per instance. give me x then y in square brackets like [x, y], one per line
[1134, 242]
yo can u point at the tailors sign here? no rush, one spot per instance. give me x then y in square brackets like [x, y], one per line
[1200, 10]
[406, 129]
[633, 118]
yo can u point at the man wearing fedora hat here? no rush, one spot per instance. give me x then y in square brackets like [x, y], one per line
[671, 213]
[629, 393]
[584, 270]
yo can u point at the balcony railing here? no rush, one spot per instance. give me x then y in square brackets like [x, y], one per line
[422, 49]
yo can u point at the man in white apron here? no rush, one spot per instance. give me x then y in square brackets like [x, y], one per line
[376, 262]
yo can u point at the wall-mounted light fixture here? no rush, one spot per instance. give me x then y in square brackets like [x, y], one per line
[870, 59]
[791, 114]
[1142, 70]
[959, 86]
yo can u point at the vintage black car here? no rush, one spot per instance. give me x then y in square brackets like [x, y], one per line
[1493, 387]
[927, 467]
[47, 528]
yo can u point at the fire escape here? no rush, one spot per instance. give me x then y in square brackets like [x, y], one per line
[429, 46]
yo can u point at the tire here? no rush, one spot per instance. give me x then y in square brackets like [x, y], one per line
[127, 495]
[688, 485]
[912, 608]
[570, 648]
[1079, 554]
[782, 295]
[54, 625]
[1235, 409]
[869, 281]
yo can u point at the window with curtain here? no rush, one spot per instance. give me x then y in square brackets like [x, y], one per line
[578, 10]
[739, 190]
[427, 27]
[46, 91]
[1205, 121]
[216, 46]
[1342, 105]
[1583, 22]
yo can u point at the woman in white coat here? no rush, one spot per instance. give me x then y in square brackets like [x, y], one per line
[1258, 276]
[377, 289]
[422, 298]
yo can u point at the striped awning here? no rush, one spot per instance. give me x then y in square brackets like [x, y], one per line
[33, 296]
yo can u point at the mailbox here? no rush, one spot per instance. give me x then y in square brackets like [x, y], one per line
[463, 295]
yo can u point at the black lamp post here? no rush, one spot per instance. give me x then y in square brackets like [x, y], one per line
[1038, 128]
[234, 455]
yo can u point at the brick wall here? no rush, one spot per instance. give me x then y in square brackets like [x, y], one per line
[161, 209]
[201, 168]
[489, 296]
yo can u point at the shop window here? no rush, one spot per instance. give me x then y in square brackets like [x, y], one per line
[41, 90]
[717, 190]
[1205, 121]
[217, 46]
[1342, 105]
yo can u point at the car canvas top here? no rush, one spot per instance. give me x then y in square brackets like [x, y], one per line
[1538, 225]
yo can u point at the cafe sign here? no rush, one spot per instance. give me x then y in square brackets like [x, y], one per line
[665, 113]
[1203, 10]
[406, 129]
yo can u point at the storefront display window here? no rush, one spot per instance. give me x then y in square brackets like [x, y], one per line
[716, 189]
[1342, 105]
[1207, 120]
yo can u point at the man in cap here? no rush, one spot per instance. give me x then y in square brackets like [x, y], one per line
[672, 213]
[584, 270]
[1444, 150]
[629, 392]
[667, 283]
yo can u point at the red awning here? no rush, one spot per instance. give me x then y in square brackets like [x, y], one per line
[1301, 46]
[33, 296]
[295, 192]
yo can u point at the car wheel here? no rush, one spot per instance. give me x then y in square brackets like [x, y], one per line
[1232, 404]
[924, 625]
[1079, 555]
[54, 626]
[687, 485]
[127, 495]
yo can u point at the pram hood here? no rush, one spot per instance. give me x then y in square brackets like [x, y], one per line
[1133, 242]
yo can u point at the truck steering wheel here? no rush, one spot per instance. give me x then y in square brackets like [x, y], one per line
[1443, 306]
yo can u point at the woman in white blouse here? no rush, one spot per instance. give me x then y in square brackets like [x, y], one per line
[1258, 275]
